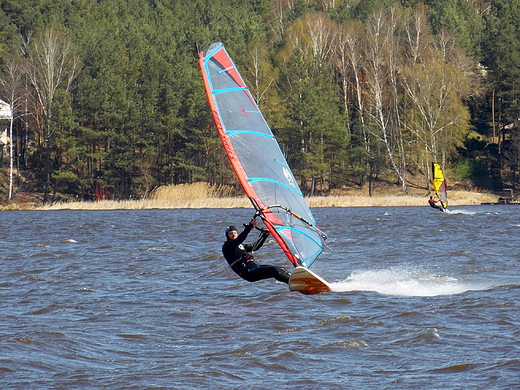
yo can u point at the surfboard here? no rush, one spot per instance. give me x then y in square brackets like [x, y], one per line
[307, 282]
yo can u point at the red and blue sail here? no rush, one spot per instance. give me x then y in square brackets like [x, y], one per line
[257, 159]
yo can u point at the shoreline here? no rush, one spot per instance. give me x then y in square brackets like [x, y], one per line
[457, 198]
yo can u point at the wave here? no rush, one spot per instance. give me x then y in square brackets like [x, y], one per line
[465, 212]
[406, 282]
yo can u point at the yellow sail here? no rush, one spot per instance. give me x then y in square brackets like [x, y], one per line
[439, 185]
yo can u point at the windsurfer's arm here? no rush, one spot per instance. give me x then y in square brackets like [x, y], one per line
[258, 244]
[242, 236]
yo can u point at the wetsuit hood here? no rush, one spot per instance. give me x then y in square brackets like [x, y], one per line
[230, 229]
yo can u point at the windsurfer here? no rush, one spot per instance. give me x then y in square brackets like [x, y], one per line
[240, 259]
[432, 202]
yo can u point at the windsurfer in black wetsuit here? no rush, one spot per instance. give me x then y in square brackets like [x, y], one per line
[240, 259]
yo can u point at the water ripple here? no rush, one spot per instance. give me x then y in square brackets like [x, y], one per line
[143, 299]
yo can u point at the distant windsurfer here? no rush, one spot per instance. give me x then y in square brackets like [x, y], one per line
[240, 259]
[432, 202]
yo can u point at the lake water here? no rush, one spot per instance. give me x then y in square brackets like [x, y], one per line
[142, 299]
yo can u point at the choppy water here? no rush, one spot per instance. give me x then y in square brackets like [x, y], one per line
[142, 299]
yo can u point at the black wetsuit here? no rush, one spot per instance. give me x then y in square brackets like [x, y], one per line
[241, 261]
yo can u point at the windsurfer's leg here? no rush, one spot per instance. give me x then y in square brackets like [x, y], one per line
[282, 274]
[259, 272]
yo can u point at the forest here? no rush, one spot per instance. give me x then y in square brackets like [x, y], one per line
[108, 102]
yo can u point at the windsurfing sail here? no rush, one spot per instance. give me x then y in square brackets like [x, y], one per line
[439, 185]
[257, 159]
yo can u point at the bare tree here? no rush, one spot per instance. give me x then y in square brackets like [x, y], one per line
[51, 65]
[349, 65]
[436, 79]
[277, 19]
[416, 32]
[380, 51]
[13, 91]
[350, 68]
[394, 59]
[320, 30]
[327, 5]
[436, 115]
[258, 69]
[314, 37]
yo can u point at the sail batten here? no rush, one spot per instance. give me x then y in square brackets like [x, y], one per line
[230, 133]
[219, 91]
[253, 180]
[257, 159]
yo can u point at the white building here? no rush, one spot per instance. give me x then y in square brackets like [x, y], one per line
[5, 113]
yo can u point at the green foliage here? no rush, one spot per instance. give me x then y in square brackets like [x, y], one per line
[137, 116]
[461, 19]
[316, 136]
[501, 48]
[467, 170]
[364, 8]
[462, 170]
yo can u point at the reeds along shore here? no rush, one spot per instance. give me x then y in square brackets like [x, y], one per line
[202, 195]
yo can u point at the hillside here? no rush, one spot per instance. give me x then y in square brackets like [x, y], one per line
[356, 92]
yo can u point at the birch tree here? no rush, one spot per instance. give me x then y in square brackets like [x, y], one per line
[416, 35]
[277, 20]
[380, 52]
[14, 92]
[259, 73]
[435, 114]
[351, 72]
[437, 77]
[51, 65]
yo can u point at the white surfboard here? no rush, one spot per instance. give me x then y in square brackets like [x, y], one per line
[307, 282]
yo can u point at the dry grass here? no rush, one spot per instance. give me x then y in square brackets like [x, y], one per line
[202, 195]
[193, 191]
[184, 196]
[456, 198]
[151, 204]
[18, 206]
